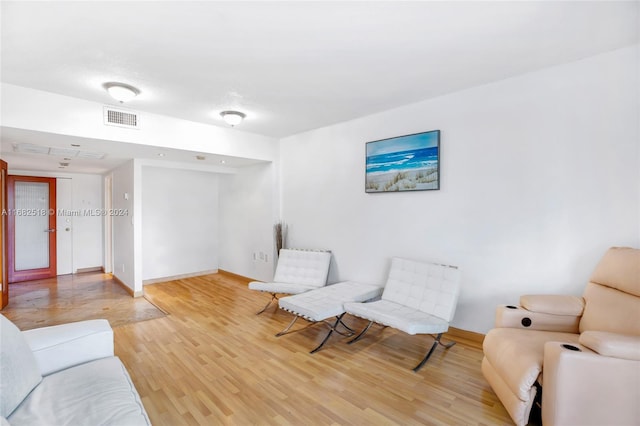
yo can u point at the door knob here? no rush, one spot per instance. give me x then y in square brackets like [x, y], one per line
[50, 230]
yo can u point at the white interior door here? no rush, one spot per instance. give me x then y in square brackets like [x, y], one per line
[64, 231]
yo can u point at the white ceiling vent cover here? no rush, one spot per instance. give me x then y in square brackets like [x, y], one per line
[121, 118]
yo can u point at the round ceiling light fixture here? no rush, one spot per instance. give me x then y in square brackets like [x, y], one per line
[121, 92]
[233, 118]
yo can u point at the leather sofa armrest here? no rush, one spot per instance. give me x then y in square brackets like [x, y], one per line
[553, 304]
[510, 316]
[581, 386]
[612, 344]
[62, 346]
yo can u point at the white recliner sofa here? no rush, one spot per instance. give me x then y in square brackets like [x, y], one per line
[65, 375]
[583, 353]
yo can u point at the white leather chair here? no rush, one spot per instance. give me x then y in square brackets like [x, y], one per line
[418, 298]
[297, 271]
[583, 353]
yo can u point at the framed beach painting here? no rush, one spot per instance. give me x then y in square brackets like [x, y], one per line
[404, 163]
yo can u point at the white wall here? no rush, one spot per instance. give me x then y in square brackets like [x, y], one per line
[31, 109]
[127, 260]
[179, 222]
[248, 210]
[87, 230]
[539, 175]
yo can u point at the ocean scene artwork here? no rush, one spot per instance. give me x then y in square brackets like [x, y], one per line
[404, 163]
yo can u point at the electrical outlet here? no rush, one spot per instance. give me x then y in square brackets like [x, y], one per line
[266, 257]
[255, 256]
[261, 255]
[123, 267]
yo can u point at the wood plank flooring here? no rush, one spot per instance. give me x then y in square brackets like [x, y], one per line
[211, 360]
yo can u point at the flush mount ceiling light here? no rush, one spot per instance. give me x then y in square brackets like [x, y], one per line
[233, 118]
[121, 92]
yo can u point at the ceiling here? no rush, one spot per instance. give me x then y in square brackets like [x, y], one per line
[293, 66]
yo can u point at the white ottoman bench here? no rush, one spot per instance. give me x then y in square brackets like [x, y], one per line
[319, 305]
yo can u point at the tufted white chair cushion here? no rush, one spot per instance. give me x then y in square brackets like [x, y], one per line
[427, 287]
[297, 271]
[329, 301]
[418, 298]
[409, 320]
[305, 267]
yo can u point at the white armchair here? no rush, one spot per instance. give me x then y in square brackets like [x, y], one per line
[297, 271]
[418, 298]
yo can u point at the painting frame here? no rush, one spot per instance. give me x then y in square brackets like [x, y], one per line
[403, 163]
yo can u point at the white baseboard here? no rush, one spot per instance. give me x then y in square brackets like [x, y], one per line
[92, 269]
[178, 277]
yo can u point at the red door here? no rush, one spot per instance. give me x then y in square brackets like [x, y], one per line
[31, 225]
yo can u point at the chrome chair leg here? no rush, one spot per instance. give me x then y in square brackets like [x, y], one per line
[351, 330]
[287, 328]
[436, 342]
[332, 328]
[355, 339]
[273, 297]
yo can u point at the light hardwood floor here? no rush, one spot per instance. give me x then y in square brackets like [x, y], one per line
[211, 360]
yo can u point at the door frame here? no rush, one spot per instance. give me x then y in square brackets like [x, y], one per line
[4, 276]
[31, 274]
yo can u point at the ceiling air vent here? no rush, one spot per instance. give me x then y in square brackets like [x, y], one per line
[121, 118]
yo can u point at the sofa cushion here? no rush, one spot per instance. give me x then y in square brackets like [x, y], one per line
[612, 344]
[610, 310]
[553, 304]
[96, 393]
[619, 269]
[19, 372]
[62, 346]
[517, 355]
